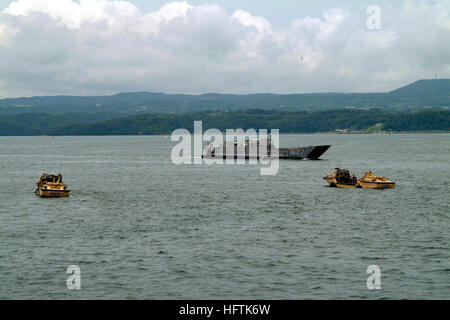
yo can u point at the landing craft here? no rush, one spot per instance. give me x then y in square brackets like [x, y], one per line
[251, 150]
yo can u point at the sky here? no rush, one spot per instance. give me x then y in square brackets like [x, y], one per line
[97, 47]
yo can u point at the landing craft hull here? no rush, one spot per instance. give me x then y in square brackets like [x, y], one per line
[296, 153]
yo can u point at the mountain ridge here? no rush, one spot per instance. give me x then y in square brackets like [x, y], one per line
[419, 94]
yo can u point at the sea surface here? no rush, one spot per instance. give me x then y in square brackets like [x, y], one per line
[141, 227]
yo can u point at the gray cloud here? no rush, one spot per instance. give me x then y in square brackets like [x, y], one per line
[100, 47]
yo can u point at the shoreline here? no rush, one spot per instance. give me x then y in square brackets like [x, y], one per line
[281, 134]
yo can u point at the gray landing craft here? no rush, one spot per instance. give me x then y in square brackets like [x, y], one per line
[251, 150]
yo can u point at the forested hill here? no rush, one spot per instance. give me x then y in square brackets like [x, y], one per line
[300, 121]
[416, 96]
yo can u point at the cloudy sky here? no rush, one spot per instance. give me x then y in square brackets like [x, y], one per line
[91, 47]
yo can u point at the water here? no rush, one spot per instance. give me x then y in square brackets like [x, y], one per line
[140, 227]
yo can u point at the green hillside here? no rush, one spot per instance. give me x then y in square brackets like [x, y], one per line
[300, 121]
[419, 95]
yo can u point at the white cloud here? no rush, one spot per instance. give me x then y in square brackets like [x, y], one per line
[100, 46]
[261, 24]
[322, 29]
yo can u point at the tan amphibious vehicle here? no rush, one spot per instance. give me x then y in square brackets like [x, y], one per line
[51, 186]
[341, 178]
[370, 181]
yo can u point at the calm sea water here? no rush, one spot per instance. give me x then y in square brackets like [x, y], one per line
[140, 227]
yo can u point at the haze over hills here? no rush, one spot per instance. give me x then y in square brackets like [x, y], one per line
[422, 105]
[420, 94]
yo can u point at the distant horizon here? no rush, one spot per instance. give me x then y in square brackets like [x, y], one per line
[220, 93]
